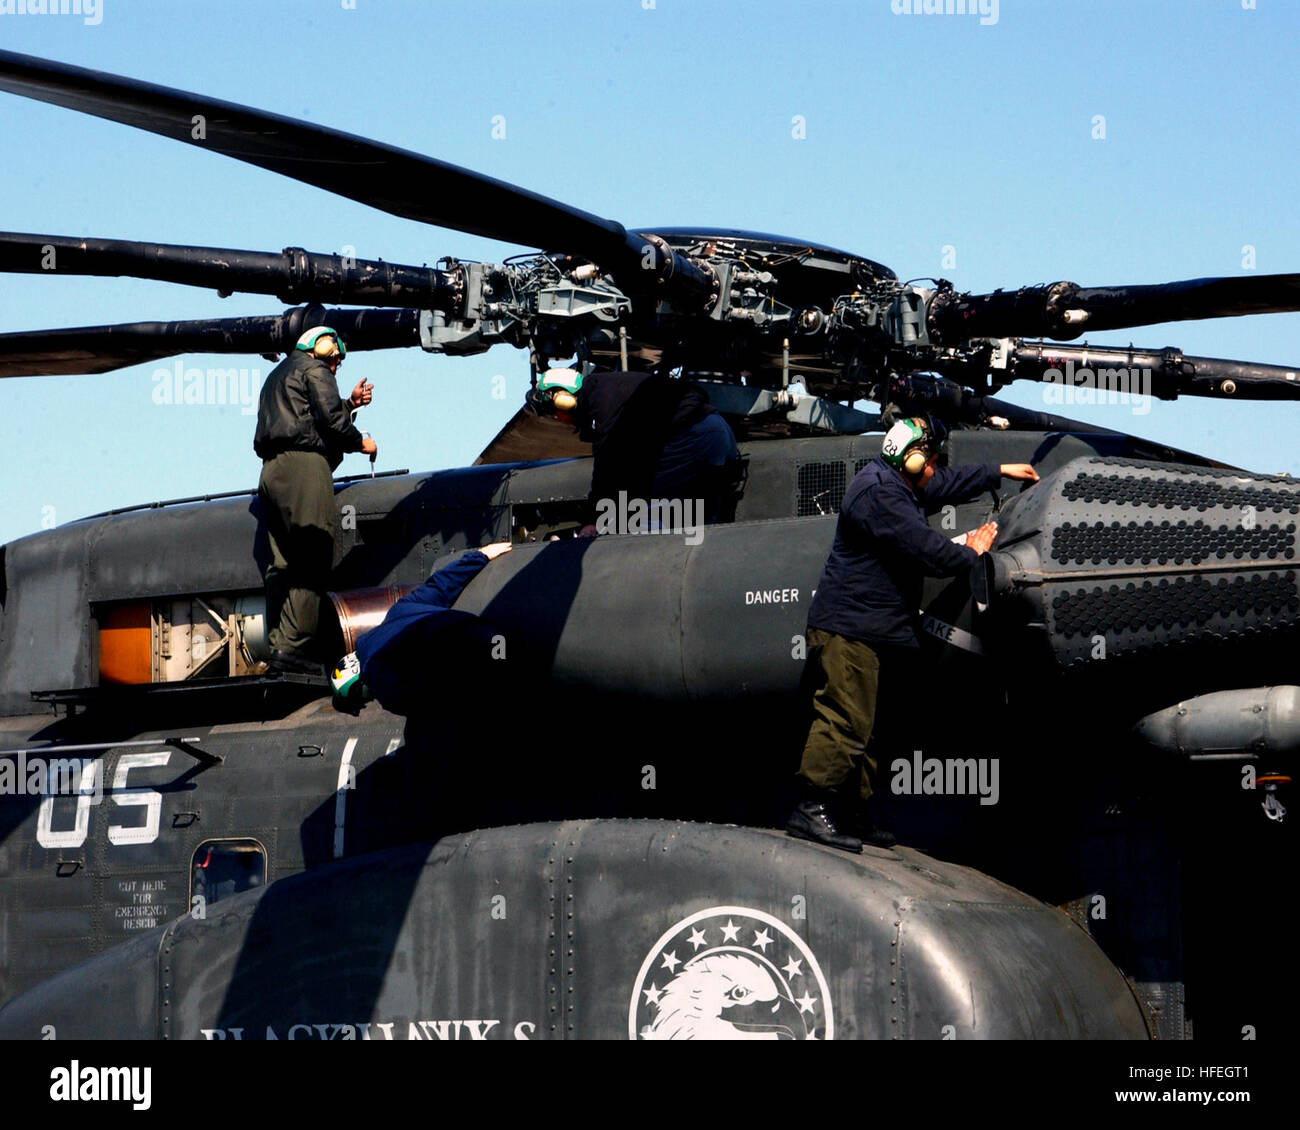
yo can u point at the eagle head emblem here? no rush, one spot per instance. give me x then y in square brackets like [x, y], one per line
[715, 976]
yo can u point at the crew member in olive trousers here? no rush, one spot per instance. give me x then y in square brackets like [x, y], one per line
[303, 430]
[863, 643]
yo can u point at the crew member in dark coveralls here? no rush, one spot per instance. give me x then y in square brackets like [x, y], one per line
[303, 431]
[652, 437]
[863, 622]
[422, 642]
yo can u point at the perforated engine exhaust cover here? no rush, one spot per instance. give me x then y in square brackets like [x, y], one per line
[1119, 557]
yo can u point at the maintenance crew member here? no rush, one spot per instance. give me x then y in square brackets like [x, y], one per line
[303, 431]
[421, 641]
[863, 623]
[652, 436]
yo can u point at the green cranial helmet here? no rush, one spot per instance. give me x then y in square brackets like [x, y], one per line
[323, 342]
[346, 678]
[558, 388]
[903, 438]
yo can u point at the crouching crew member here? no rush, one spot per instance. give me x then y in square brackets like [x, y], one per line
[303, 431]
[864, 622]
[652, 436]
[422, 642]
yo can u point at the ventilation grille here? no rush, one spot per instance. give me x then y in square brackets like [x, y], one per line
[821, 488]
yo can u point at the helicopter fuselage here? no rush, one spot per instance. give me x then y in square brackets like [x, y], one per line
[647, 677]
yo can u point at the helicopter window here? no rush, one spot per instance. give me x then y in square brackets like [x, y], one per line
[221, 868]
[540, 521]
[821, 488]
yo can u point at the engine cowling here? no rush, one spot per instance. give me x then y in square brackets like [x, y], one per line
[1125, 559]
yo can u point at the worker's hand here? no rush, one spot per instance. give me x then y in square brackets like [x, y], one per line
[496, 549]
[980, 540]
[1019, 471]
[369, 447]
[361, 395]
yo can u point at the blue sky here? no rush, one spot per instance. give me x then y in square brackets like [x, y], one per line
[922, 132]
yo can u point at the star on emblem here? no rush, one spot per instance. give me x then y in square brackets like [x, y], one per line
[671, 961]
[793, 968]
[730, 932]
[697, 939]
[761, 940]
[652, 994]
[805, 1002]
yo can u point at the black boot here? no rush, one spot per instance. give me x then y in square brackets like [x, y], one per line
[861, 825]
[814, 819]
[288, 662]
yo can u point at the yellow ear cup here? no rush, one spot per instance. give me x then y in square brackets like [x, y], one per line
[915, 462]
[325, 346]
[565, 401]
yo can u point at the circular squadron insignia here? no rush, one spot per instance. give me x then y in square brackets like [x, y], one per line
[730, 973]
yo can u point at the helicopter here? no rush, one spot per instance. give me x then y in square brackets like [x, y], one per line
[191, 847]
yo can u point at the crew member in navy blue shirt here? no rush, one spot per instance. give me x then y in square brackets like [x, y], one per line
[422, 639]
[652, 437]
[864, 619]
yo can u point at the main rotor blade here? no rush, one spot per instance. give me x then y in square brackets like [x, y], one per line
[293, 275]
[1064, 310]
[1166, 373]
[101, 349]
[395, 180]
